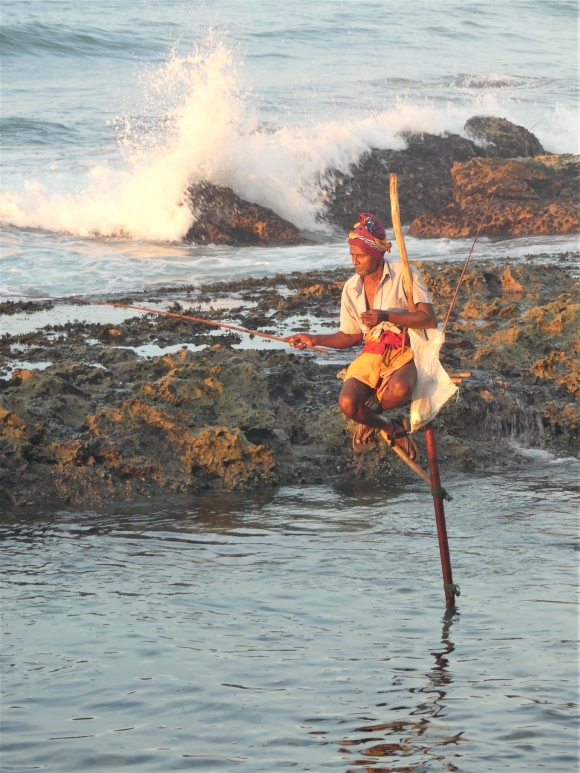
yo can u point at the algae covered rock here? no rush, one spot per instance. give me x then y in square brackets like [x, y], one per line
[103, 425]
[530, 196]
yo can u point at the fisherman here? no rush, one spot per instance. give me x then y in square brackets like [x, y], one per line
[374, 309]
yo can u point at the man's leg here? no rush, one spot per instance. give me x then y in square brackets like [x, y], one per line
[352, 402]
[355, 393]
[399, 387]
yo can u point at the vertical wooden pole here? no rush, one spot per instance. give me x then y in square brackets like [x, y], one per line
[396, 218]
[450, 589]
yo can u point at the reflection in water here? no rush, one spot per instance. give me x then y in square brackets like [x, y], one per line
[299, 628]
[421, 737]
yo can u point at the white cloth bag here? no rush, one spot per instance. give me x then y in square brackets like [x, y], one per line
[433, 387]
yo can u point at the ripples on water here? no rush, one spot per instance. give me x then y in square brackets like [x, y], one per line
[301, 629]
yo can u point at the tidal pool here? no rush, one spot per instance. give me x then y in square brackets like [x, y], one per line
[298, 629]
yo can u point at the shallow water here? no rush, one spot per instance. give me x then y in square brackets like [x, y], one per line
[300, 629]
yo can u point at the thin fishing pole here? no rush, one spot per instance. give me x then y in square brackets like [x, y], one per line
[72, 299]
[482, 221]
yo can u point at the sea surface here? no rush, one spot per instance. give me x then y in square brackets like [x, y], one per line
[303, 629]
[110, 110]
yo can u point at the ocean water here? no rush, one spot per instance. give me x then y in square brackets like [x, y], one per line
[301, 629]
[110, 110]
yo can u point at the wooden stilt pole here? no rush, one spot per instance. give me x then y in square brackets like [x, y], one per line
[451, 590]
[437, 491]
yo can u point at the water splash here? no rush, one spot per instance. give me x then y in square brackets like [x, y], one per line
[198, 123]
[148, 199]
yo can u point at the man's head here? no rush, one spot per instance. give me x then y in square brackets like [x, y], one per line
[368, 239]
[364, 264]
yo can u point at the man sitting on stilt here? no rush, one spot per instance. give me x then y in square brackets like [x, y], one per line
[374, 309]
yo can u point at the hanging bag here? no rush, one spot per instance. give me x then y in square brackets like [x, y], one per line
[433, 387]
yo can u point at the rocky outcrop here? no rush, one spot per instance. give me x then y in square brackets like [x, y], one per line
[158, 427]
[499, 137]
[103, 424]
[424, 172]
[433, 186]
[222, 217]
[532, 196]
[445, 180]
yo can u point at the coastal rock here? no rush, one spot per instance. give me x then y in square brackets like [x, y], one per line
[424, 172]
[445, 183]
[183, 459]
[500, 137]
[532, 196]
[102, 424]
[222, 217]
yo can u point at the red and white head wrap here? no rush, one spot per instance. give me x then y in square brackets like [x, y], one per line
[369, 234]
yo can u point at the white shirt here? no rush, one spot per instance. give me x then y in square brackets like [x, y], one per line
[389, 296]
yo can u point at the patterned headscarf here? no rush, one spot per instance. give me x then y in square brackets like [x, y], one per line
[369, 234]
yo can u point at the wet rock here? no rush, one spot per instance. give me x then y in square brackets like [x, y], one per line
[103, 424]
[110, 334]
[561, 368]
[184, 459]
[445, 184]
[22, 374]
[510, 284]
[511, 179]
[222, 217]
[500, 137]
[17, 307]
[11, 425]
[532, 196]
[424, 179]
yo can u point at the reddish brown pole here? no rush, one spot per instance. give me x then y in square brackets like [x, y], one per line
[451, 590]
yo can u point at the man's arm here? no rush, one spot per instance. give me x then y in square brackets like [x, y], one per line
[423, 317]
[338, 340]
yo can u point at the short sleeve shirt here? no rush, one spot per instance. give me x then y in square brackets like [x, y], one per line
[389, 296]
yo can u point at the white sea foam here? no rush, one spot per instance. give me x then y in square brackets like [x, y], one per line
[204, 127]
[498, 81]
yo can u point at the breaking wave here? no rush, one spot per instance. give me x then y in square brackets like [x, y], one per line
[198, 124]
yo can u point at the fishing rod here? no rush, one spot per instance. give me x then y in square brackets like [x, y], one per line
[482, 221]
[72, 299]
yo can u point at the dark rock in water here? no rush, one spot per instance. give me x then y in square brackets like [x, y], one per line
[500, 137]
[424, 172]
[222, 217]
[533, 196]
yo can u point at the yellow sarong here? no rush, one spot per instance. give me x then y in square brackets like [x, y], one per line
[375, 370]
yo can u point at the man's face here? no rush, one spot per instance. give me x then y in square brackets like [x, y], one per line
[364, 264]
